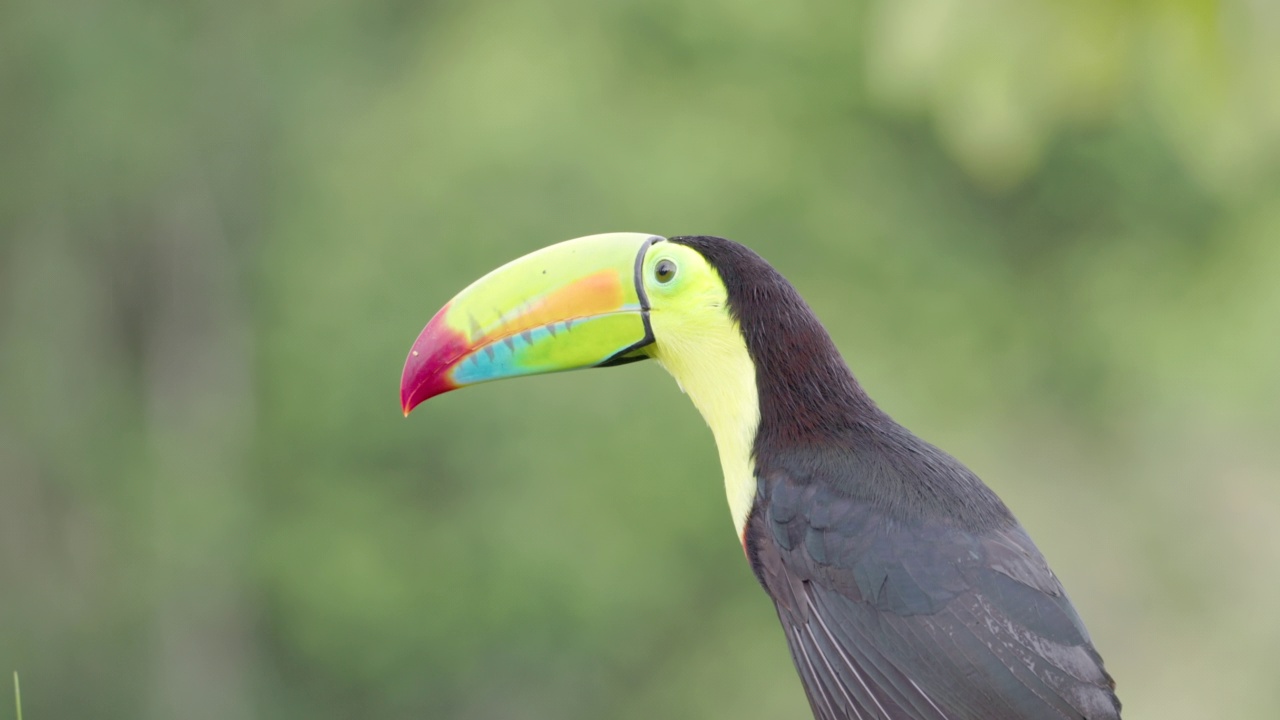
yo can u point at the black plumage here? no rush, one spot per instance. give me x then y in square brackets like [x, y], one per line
[906, 588]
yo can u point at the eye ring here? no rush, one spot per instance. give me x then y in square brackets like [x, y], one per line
[665, 270]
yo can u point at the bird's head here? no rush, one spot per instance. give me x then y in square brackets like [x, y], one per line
[596, 301]
[600, 301]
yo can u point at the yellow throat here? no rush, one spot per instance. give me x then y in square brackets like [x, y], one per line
[707, 356]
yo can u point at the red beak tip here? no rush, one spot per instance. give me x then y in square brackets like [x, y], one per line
[406, 399]
[408, 403]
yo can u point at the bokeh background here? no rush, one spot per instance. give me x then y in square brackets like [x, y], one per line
[1045, 234]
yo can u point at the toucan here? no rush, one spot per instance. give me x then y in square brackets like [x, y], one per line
[905, 587]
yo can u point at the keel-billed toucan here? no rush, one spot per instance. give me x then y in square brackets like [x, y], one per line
[905, 587]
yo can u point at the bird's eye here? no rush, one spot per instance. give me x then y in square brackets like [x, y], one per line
[664, 271]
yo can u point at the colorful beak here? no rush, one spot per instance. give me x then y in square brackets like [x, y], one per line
[576, 304]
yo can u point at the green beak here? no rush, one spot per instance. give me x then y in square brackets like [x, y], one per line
[576, 304]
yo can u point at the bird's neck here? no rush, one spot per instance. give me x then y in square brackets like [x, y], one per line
[769, 402]
[808, 396]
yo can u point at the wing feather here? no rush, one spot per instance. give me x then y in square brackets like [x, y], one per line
[889, 620]
[815, 683]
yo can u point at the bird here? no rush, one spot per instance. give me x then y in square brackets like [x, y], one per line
[905, 587]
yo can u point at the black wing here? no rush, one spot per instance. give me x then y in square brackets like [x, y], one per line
[891, 619]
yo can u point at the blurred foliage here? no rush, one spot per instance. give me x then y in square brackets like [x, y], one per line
[1046, 235]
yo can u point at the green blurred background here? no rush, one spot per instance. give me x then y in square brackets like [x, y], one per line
[1046, 235]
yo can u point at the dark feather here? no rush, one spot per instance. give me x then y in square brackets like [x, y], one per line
[922, 619]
